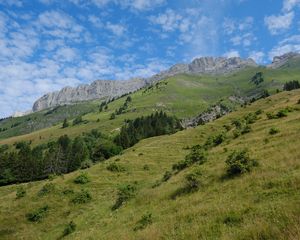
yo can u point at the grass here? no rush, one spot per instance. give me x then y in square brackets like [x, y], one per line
[261, 204]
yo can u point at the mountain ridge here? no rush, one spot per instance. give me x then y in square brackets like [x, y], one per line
[115, 88]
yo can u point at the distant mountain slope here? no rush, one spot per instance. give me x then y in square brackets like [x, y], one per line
[162, 204]
[111, 89]
[183, 95]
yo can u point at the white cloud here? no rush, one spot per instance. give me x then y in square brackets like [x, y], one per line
[288, 5]
[17, 3]
[170, 21]
[245, 39]
[257, 56]
[277, 24]
[142, 4]
[117, 29]
[290, 44]
[232, 53]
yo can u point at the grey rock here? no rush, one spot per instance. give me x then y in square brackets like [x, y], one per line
[279, 61]
[211, 114]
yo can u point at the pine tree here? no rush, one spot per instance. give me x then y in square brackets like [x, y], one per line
[65, 123]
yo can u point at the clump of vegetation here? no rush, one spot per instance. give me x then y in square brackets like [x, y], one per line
[112, 116]
[21, 192]
[257, 78]
[82, 197]
[65, 123]
[146, 167]
[232, 219]
[125, 193]
[280, 114]
[246, 129]
[251, 118]
[82, 179]
[167, 176]
[239, 162]
[213, 141]
[37, 215]
[78, 120]
[46, 189]
[192, 181]
[114, 167]
[197, 155]
[70, 228]
[273, 131]
[145, 221]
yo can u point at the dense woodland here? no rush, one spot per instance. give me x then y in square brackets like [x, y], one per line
[23, 162]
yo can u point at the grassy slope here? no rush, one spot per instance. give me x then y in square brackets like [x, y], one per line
[266, 200]
[183, 96]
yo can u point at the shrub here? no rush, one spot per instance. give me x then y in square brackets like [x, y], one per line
[236, 133]
[180, 165]
[298, 101]
[271, 116]
[167, 176]
[77, 120]
[144, 222]
[282, 113]
[82, 197]
[258, 112]
[197, 155]
[273, 131]
[46, 189]
[82, 179]
[21, 192]
[125, 193]
[114, 167]
[246, 129]
[232, 219]
[146, 167]
[70, 228]
[37, 215]
[213, 141]
[86, 164]
[250, 118]
[192, 182]
[227, 127]
[239, 162]
[237, 123]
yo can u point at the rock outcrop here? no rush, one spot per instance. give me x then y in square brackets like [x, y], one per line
[279, 61]
[95, 90]
[109, 89]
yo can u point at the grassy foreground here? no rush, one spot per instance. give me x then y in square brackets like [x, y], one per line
[262, 204]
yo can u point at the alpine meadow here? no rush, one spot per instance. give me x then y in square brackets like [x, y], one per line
[149, 120]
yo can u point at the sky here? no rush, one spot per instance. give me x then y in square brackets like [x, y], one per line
[49, 44]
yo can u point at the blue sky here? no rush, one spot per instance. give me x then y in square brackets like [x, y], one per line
[48, 44]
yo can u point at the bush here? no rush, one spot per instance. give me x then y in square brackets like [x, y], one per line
[125, 193]
[167, 176]
[82, 179]
[46, 189]
[246, 129]
[282, 113]
[236, 133]
[250, 118]
[232, 219]
[77, 120]
[37, 215]
[298, 101]
[213, 141]
[237, 123]
[144, 222]
[21, 192]
[273, 131]
[192, 182]
[86, 164]
[70, 228]
[239, 162]
[146, 167]
[114, 167]
[82, 197]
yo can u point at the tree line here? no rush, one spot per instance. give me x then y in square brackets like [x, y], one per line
[24, 162]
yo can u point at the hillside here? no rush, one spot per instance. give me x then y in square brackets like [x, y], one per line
[184, 96]
[261, 204]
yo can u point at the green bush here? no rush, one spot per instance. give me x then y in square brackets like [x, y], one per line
[167, 176]
[237, 123]
[82, 197]
[232, 219]
[114, 167]
[213, 141]
[246, 129]
[21, 192]
[251, 118]
[46, 189]
[282, 113]
[236, 133]
[239, 162]
[86, 164]
[70, 228]
[125, 193]
[37, 215]
[82, 179]
[273, 131]
[192, 182]
[144, 222]
[146, 167]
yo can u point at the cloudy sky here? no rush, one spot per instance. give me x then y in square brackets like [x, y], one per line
[48, 44]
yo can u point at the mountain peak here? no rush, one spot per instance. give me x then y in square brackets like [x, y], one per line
[279, 61]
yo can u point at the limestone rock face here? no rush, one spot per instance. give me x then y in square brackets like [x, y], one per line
[109, 89]
[95, 90]
[279, 61]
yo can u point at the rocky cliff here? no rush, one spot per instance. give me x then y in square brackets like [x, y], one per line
[279, 61]
[107, 88]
